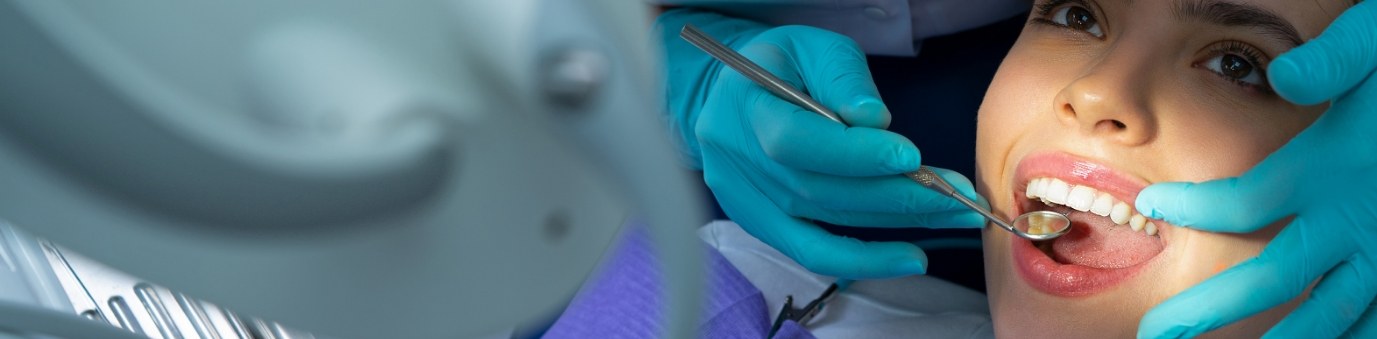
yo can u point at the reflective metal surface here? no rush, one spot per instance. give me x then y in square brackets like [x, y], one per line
[99, 292]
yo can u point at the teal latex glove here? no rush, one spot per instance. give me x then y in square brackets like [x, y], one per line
[774, 166]
[1326, 178]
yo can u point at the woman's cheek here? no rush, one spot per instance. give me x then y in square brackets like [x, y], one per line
[1006, 106]
[1202, 255]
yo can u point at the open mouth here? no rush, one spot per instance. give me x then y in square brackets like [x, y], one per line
[1108, 241]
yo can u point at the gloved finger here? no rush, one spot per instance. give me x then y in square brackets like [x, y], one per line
[835, 73]
[809, 245]
[806, 140]
[961, 218]
[1238, 204]
[1334, 304]
[828, 66]
[1282, 271]
[802, 139]
[844, 257]
[1331, 64]
[951, 219]
[835, 68]
[1366, 326]
[884, 194]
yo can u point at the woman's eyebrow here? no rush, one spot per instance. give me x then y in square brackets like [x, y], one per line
[1235, 14]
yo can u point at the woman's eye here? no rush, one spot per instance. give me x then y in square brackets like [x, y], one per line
[1078, 18]
[1236, 68]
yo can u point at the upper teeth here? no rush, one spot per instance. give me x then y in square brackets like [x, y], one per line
[1088, 199]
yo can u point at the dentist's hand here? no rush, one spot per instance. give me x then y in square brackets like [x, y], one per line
[774, 166]
[1326, 178]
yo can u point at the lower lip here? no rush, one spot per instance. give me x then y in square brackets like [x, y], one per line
[1049, 276]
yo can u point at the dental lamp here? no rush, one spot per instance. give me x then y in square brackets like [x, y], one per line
[351, 168]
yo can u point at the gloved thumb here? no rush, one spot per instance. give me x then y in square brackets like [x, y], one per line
[835, 73]
[1237, 204]
[1331, 64]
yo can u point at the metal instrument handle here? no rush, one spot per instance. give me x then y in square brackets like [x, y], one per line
[754, 72]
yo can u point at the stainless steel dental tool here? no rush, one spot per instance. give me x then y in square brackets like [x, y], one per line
[1035, 225]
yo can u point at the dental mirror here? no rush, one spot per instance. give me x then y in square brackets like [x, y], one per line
[1036, 225]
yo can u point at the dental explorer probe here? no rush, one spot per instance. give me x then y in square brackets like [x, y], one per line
[1035, 225]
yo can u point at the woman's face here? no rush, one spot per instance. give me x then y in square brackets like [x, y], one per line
[1097, 100]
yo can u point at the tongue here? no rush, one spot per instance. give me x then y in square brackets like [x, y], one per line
[1095, 241]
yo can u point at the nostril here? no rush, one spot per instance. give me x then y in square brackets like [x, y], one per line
[1109, 126]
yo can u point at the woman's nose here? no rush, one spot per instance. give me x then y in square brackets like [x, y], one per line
[1110, 102]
